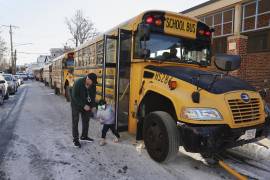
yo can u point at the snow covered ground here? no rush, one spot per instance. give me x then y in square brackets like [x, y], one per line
[40, 147]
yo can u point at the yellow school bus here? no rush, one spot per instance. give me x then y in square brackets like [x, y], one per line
[47, 74]
[156, 70]
[38, 74]
[62, 73]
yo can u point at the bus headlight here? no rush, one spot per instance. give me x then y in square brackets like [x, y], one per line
[201, 114]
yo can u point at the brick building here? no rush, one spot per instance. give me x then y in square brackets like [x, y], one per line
[241, 27]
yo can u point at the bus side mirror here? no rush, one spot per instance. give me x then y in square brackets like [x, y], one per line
[227, 63]
[144, 32]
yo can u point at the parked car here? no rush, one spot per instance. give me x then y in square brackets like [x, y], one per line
[30, 76]
[4, 86]
[18, 78]
[12, 88]
[23, 75]
[21, 78]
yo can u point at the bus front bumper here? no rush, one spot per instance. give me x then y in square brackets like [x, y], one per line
[209, 139]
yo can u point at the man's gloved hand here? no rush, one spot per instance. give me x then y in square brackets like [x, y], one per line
[87, 108]
[94, 110]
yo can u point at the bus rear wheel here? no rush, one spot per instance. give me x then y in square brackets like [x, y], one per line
[67, 94]
[161, 136]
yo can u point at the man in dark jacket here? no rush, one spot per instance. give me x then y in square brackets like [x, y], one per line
[83, 102]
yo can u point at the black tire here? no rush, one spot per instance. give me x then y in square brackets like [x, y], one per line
[161, 136]
[1, 99]
[67, 94]
[7, 95]
[56, 91]
[14, 91]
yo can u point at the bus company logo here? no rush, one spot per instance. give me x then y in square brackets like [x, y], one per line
[245, 97]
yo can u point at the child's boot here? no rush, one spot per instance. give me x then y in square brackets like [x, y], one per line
[116, 140]
[102, 142]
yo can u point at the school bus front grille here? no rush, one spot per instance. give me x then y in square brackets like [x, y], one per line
[245, 112]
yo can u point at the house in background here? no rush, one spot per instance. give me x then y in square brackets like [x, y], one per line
[55, 52]
[242, 27]
[43, 59]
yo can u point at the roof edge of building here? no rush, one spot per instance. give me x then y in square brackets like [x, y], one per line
[199, 6]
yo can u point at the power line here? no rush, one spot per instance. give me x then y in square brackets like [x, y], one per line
[9, 26]
[22, 44]
[33, 53]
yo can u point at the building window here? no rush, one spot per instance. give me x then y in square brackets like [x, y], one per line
[258, 41]
[219, 45]
[222, 22]
[256, 15]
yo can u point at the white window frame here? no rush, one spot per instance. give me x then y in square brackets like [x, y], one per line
[255, 15]
[222, 22]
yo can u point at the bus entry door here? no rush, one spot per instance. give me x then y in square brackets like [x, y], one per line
[116, 76]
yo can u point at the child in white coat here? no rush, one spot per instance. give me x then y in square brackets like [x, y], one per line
[106, 116]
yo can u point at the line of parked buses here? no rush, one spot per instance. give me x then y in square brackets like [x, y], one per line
[58, 74]
[156, 70]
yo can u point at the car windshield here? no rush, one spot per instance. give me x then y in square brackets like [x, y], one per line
[8, 78]
[169, 48]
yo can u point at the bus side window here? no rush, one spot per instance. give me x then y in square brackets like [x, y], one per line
[84, 56]
[111, 51]
[76, 59]
[81, 55]
[88, 55]
[92, 55]
[99, 52]
[125, 54]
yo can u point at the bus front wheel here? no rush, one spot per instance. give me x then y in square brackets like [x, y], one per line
[161, 136]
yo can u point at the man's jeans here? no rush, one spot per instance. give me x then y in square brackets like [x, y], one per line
[75, 121]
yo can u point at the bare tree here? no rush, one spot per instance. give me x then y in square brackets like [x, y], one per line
[81, 28]
[2, 44]
[3, 49]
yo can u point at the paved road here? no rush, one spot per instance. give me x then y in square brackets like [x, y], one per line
[8, 118]
[36, 143]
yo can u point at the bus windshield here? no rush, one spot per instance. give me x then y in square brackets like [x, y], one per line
[169, 48]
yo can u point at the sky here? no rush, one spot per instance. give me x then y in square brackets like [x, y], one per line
[41, 23]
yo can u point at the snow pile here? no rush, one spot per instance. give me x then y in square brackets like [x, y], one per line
[253, 151]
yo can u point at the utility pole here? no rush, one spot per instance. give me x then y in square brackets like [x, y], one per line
[11, 49]
[15, 62]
